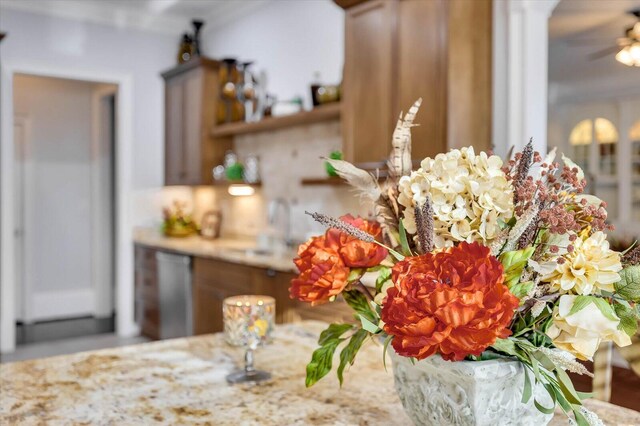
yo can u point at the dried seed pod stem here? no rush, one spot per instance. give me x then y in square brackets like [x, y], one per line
[424, 226]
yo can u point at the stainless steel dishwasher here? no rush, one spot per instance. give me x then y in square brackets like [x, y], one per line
[174, 286]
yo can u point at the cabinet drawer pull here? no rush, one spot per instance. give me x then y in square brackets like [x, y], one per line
[271, 273]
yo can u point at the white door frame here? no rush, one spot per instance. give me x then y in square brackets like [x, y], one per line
[24, 294]
[101, 208]
[125, 325]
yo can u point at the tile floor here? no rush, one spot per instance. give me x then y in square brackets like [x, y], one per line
[63, 329]
[68, 346]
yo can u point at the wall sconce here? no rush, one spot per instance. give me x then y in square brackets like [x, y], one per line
[239, 190]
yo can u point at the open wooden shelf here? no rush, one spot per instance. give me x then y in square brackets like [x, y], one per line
[323, 181]
[316, 115]
[330, 180]
[227, 183]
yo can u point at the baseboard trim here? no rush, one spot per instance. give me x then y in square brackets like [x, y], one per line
[50, 305]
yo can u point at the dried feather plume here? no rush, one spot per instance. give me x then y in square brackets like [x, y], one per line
[399, 163]
[424, 226]
[388, 214]
[362, 181]
[340, 225]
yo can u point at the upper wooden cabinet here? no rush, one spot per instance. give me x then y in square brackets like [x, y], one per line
[191, 94]
[399, 50]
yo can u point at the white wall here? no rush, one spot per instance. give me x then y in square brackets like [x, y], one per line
[133, 59]
[34, 38]
[290, 40]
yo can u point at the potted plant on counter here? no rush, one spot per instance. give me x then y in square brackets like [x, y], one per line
[491, 280]
[177, 222]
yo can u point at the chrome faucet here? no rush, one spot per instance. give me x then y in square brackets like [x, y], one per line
[272, 217]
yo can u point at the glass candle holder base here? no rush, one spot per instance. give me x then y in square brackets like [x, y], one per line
[243, 376]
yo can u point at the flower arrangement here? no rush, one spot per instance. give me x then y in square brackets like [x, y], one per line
[474, 258]
[177, 222]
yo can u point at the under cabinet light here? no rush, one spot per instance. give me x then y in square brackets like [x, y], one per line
[241, 190]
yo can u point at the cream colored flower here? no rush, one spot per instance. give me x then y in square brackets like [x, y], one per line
[470, 196]
[591, 268]
[582, 332]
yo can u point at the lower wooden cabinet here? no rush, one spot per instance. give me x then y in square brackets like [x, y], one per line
[212, 281]
[147, 303]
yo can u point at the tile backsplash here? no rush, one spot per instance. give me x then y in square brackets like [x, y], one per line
[286, 157]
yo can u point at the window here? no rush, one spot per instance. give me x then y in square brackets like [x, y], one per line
[605, 134]
[580, 139]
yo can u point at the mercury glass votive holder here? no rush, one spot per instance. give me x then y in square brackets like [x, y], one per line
[248, 322]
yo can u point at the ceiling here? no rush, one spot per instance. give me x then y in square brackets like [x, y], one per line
[164, 16]
[579, 28]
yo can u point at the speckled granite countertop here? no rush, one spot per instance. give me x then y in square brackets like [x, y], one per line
[182, 381]
[236, 250]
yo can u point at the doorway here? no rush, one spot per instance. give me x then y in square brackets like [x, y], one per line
[64, 207]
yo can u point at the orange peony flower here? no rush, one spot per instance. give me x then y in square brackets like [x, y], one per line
[323, 274]
[452, 302]
[356, 253]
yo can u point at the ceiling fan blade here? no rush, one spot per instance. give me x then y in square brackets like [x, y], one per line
[604, 52]
[588, 41]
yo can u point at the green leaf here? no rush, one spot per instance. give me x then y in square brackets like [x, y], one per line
[629, 285]
[384, 351]
[359, 303]
[628, 319]
[542, 408]
[321, 362]
[368, 325]
[355, 275]
[527, 391]
[605, 308]
[580, 419]
[559, 398]
[535, 365]
[404, 243]
[544, 360]
[566, 385]
[583, 301]
[385, 274]
[505, 345]
[579, 303]
[520, 290]
[584, 395]
[333, 332]
[513, 263]
[322, 358]
[348, 353]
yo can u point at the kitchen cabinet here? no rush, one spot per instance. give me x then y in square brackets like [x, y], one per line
[191, 94]
[399, 50]
[147, 303]
[213, 280]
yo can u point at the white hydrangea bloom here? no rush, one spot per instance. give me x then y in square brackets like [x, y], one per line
[470, 196]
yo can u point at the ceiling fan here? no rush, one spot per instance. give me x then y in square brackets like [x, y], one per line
[627, 48]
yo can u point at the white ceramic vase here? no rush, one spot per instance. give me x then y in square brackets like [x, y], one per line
[467, 393]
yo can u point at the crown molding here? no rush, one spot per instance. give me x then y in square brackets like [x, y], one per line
[143, 20]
